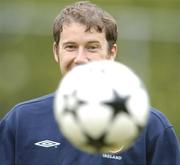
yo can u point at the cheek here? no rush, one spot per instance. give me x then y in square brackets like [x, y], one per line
[63, 67]
[102, 56]
[65, 63]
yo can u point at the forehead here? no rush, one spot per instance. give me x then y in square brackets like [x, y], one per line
[78, 31]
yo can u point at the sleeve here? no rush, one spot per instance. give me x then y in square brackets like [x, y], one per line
[6, 143]
[167, 148]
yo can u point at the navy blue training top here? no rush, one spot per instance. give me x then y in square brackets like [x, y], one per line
[30, 136]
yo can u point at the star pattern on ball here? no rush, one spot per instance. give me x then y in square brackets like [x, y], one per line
[72, 103]
[118, 103]
[96, 143]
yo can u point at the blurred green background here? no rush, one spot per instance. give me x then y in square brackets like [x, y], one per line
[149, 42]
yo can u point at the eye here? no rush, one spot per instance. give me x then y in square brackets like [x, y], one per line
[93, 47]
[70, 47]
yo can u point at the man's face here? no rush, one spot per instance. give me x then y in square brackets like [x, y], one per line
[76, 46]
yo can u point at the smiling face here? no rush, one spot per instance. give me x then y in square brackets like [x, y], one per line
[79, 46]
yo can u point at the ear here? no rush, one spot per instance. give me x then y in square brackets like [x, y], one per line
[113, 52]
[56, 52]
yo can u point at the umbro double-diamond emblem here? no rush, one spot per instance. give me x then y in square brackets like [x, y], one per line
[47, 143]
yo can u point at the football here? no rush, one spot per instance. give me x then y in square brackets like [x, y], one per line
[101, 107]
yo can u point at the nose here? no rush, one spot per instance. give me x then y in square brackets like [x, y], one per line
[81, 57]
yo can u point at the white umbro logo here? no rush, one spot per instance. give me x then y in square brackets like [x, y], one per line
[47, 143]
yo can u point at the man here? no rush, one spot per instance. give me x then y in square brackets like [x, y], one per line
[29, 134]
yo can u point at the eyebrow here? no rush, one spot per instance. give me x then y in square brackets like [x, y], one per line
[93, 41]
[89, 42]
[68, 42]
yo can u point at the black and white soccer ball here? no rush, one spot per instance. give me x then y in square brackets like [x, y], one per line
[101, 107]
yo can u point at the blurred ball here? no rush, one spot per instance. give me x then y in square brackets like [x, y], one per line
[101, 107]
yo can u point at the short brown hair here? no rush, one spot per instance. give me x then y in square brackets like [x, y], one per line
[90, 15]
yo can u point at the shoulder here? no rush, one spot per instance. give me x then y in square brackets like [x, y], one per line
[158, 124]
[36, 105]
[157, 117]
[43, 100]
[36, 101]
[161, 140]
